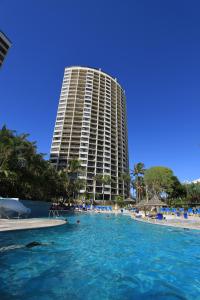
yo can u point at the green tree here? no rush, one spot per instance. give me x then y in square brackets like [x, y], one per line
[103, 180]
[178, 202]
[120, 201]
[159, 180]
[125, 179]
[89, 197]
[78, 185]
[74, 168]
[193, 193]
[176, 190]
[70, 176]
[5, 154]
[65, 183]
[24, 173]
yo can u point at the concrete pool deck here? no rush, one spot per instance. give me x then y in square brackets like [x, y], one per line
[21, 224]
[190, 223]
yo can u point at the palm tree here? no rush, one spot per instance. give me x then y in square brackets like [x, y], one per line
[74, 168]
[104, 180]
[141, 187]
[7, 177]
[126, 179]
[138, 182]
[96, 178]
[5, 152]
[65, 183]
[75, 183]
[6, 147]
[24, 173]
[99, 178]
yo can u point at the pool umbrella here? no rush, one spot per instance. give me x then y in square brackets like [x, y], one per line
[129, 200]
[154, 201]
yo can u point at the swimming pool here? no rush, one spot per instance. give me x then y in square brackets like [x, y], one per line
[101, 258]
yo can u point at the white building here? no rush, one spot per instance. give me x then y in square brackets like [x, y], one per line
[5, 44]
[91, 126]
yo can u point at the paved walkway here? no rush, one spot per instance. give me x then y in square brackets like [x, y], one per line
[175, 222]
[20, 224]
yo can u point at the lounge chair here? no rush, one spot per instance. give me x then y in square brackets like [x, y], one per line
[167, 209]
[138, 215]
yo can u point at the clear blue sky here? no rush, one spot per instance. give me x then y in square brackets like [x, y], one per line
[152, 47]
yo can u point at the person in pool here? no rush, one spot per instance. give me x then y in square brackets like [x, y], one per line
[78, 221]
[29, 245]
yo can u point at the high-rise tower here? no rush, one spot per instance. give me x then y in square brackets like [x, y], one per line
[91, 126]
[5, 44]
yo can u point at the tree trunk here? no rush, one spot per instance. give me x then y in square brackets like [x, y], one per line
[94, 189]
[147, 193]
[136, 183]
[103, 196]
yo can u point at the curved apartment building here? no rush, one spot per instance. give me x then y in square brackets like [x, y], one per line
[91, 125]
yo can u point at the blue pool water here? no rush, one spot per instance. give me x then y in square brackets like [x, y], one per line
[101, 258]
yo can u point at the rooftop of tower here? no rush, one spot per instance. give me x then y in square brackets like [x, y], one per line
[96, 69]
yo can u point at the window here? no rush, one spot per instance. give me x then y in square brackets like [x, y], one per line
[84, 139]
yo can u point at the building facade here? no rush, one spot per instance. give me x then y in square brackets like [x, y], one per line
[5, 44]
[91, 126]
